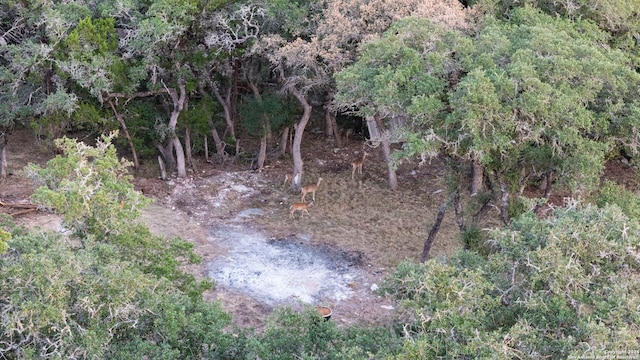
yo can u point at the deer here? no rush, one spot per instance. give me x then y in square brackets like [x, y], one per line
[357, 165]
[311, 188]
[288, 177]
[302, 207]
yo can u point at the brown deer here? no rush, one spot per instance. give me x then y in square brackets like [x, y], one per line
[287, 178]
[357, 165]
[311, 188]
[302, 207]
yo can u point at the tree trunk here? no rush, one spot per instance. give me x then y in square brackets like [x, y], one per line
[225, 102]
[504, 201]
[178, 104]
[298, 164]
[284, 139]
[332, 127]
[433, 233]
[457, 207]
[180, 158]
[134, 153]
[187, 145]
[167, 154]
[262, 152]
[386, 154]
[475, 219]
[478, 177]
[266, 128]
[220, 145]
[163, 169]
[206, 149]
[3, 155]
[328, 124]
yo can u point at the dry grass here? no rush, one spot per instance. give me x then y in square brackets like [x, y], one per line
[363, 214]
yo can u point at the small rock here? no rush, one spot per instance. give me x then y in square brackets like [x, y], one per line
[374, 287]
[388, 307]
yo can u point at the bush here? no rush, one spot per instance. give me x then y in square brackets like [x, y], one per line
[611, 193]
[565, 286]
[305, 335]
[111, 290]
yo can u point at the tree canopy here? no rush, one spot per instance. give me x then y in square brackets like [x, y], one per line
[535, 92]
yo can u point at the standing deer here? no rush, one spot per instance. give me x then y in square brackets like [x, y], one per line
[302, 207]
[311, 188]
[357, 165]
[287, 178]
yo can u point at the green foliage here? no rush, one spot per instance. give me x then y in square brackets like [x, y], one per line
[531, 92]
[410, 62]
[145, 122]
[542, 82]
[617, 17]
[90, 303]
[5, 237]
[305, 335]
[90, 187]
[88, 117]
[49, 127]
[288, 18]
[112, 290]
[565, 286]
[93, 192]
[474, 240]
[611, 193]
[268, 113]
[91, 37]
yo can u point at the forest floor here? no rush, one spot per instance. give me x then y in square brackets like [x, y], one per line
[260, 259]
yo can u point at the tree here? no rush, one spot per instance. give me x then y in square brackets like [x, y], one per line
[617, 17]
[532, 96]
[229, 33]
[90, 186]
[261, 114]
[554, 105]
[392, 76]
[30, 91]
[348, 28]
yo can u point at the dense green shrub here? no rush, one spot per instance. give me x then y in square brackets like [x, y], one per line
[612, 193]
[305, 335]
[109, 290]
[565, 286]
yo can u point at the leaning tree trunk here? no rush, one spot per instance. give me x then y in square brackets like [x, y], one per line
[298, 164]
[178, 105]
[386, 151]
[225, 102]
[220, 145]
[432, 234]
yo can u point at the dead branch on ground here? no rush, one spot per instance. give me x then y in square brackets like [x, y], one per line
[15, 209]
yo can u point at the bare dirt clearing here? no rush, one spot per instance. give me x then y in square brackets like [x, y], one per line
[260, 258]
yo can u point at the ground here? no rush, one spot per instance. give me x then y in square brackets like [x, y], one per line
[356, 232]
